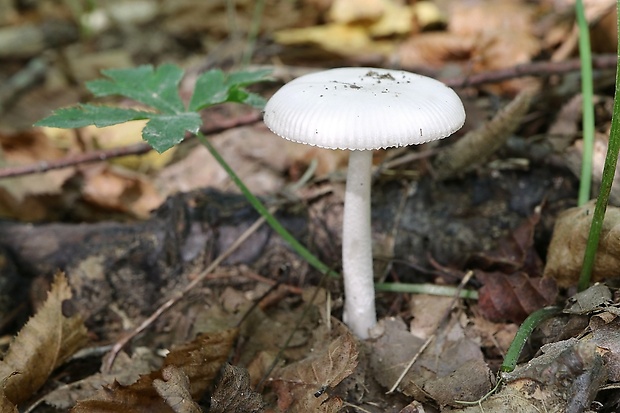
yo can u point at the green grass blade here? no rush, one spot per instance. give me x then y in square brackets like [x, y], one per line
[271, 220]
[609, 170]
[431, 289]
[587, 91]
[524, 332]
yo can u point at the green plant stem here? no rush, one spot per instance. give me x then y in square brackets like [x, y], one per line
[587, 91]
[609, 170]
[271, 220]
[432, 289]
[524, 332]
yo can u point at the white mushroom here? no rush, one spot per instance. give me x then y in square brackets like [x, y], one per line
[361, 109]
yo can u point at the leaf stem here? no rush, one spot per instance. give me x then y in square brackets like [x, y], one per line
[261, 209]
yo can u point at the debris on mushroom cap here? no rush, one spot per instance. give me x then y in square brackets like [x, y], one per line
[364, 108]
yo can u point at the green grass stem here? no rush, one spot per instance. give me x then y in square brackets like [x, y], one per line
[609, 170]
[524, 332]
[432, 289]
[587, 92]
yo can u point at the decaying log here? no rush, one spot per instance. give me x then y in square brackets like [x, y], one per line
[137, 265]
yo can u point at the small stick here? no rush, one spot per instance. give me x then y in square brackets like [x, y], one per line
[105, 154]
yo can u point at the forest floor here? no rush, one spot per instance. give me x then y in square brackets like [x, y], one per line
[98, 232]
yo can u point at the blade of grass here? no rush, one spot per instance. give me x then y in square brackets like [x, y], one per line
[587, 91]
[609, 170]
[271, 220]
[524, 332]
[431, 289]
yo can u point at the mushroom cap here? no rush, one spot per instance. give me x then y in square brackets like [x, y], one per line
[364, 108]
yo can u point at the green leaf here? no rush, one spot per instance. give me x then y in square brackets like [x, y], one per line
[210, 89]
[84, 115]
[214, 87]
[153, 87]
[244, 78]
[164, 131]
[255, 100]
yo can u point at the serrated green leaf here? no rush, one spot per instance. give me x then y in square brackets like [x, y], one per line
[255, 100]
[245, 78]
[157, 88]
[162, 132]
[210, 89]
[84, 115]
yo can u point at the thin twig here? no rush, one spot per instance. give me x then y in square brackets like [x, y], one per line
[105, 154]
[546, 68]
[108, 360]
[543, 68]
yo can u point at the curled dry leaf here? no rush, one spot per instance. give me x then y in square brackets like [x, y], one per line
[234, 394]
[175, 391]
[567, 247]
[199, 360]
[301, 386]
[49, 338]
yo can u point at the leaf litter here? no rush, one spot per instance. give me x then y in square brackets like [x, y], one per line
[489, 46]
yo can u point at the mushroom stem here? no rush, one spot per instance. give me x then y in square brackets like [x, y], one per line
[359, 290]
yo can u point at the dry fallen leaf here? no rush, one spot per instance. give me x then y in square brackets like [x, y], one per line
[450, 358]
[126, 370]
[116, 189]
[567, 247]
[174, 389]
[24, 197]
[301, 386]
[513, 297]
[49, 338]
[233, 393]
[199, 360]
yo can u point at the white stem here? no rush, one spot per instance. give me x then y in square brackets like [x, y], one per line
[359, 289]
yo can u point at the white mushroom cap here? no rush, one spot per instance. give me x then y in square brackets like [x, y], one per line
[364, 108]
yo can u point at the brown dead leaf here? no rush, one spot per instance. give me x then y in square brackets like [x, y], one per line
[301, 386]
[450, 357]
[567, 247]
[117, 189]
[5, 404]
[434, 49]
[174, 389]
[513, 297]
[49, 338]
[21, 196]
[199, 360]
[234, 394]
[564, 378]
[125, 370]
